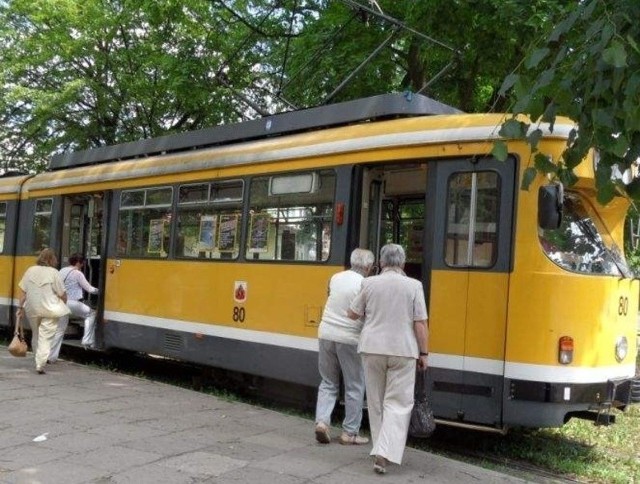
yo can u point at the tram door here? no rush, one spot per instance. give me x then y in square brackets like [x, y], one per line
[454, 220]
[468, 247]
[394, 211]
[84, 233]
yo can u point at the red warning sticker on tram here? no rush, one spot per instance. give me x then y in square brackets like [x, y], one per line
[240, 291]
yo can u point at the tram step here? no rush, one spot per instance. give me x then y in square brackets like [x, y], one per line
[599, 418]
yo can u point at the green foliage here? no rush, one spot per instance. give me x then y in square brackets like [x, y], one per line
[631, 243]
[586, 68]
[500, 151]
[82, 74]
[468, 62]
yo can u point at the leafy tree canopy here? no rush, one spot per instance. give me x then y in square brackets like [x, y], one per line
[78, 74]
[586, 68]
[81, 74]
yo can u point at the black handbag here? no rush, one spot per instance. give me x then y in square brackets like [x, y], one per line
[422, 423]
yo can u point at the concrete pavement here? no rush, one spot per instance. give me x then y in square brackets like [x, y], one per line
[78, 424]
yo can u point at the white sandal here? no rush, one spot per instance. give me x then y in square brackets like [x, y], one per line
[380, 465]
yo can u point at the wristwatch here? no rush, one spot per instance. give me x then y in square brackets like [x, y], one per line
[422, 353]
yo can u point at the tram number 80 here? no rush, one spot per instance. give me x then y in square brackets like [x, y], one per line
[623, 306]
[238, 314]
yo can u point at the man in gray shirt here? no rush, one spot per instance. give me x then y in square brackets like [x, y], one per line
[338, 353]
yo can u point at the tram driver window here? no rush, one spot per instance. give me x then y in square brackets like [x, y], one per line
[3, 224]
[145, 222]
[582, 243]
[291, 216]
[42, 224]
[473, 201]
[209, 220]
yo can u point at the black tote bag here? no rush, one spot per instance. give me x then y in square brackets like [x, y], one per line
[422, 423]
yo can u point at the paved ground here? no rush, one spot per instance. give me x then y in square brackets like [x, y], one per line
[81, 425]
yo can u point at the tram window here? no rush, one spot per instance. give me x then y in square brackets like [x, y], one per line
[581, 243]
[209, 220]
[287, 184]
[3, 224]
[132, 198]
[75, 228]
[42, 224]
[473, 201]
[403, 223]
[144, 222]
[291, 217]
[227, 192]
[158, 197]
[193, 193]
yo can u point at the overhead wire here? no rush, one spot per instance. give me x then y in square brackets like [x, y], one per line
[284, 82]
[286, 50]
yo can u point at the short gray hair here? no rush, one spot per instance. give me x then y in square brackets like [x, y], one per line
[362, 259]
[392, 255]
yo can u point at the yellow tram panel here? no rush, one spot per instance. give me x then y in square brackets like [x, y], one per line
[22, 263]
[446, 315]
[584, 308]
[278, 300]
[486, 315]
[476, 328]
[6, 267]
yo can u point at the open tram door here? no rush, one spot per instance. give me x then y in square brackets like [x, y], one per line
[84, 232]
[454, 220]
[394, 211]
[468, 253]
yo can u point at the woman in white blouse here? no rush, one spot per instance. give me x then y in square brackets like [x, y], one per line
[393, 340]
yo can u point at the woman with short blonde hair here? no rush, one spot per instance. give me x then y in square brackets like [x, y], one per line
[47, 258]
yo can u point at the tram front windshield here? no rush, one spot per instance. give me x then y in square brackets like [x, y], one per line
[582, 243]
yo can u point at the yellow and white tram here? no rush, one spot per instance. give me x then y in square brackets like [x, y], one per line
[216, 246]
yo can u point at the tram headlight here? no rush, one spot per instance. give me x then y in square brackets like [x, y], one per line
[622, 348]
[565, 350]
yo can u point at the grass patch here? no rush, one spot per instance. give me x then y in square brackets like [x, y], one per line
[578, 450]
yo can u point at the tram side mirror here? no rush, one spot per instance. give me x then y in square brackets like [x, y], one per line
[550, 198]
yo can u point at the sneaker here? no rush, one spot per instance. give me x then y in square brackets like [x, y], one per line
[352, 439]
[380, 465]
[322, 433]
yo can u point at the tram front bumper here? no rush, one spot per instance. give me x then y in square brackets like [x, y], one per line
[629, 391]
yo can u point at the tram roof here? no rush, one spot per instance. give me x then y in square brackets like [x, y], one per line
[385, 106]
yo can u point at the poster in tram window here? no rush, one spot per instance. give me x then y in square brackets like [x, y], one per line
[156, 236]
[207, 232]
[259, 232]
[227, 235]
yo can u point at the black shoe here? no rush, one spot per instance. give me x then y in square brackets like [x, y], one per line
[40, 372]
